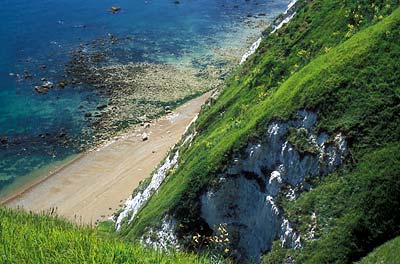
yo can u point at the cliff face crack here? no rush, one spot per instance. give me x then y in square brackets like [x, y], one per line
[283, 160]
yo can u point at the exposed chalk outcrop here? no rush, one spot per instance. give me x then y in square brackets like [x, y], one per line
[277, 24]
[134, 204]
[251, 50]
[246, 198]
[162, 237]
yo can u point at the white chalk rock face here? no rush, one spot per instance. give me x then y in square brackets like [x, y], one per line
[284, 19]
[163, 237]
[132, 206]
[246, 198]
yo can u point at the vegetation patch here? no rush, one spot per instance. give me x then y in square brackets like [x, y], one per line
[300, 139]
[43, 238]
[337, 58]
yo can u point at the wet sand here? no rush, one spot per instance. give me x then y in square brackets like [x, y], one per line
[94, 185]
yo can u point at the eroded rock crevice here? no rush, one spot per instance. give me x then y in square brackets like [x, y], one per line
[283, 162]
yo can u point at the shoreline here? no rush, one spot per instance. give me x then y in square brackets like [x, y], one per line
[84, 189]
[14, 194]
[22, 191]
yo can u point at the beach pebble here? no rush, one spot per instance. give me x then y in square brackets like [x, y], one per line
[145, 137]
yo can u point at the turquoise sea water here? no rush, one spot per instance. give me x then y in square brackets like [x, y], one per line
[38, 38]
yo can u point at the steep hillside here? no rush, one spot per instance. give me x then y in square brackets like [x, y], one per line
[388, 253]
[322, 95]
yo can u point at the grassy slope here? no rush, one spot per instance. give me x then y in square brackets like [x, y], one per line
[388, 253]
[330, 59]
[345, 73]
[30, 238]
[355, 213]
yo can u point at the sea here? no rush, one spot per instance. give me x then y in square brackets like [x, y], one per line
[41, 130]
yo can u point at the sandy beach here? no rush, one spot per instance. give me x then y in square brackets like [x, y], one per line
[97, 183]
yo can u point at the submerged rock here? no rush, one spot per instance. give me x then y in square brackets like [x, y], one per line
[47, 85]
[62, 83]
[27, 74]
[4, 140]
[41, 90]
[101, 107]
[114, 9]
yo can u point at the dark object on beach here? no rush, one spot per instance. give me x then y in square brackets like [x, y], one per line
[145, 137]
[168, 110]
[3, 140]
[114, 9]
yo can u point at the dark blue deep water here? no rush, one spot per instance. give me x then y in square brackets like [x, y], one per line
[37, 38]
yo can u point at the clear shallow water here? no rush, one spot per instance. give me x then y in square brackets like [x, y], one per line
[41, 129]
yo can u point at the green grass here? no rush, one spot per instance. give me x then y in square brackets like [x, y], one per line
[337, 58]
[41, 238]
[298, 138]
[351, 86]
[356, 211]
[388, 253]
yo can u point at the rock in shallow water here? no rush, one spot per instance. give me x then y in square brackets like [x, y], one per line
[114, 9]
[4, 140]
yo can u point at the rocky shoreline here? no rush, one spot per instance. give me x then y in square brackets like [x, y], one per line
[122, 93]
[134, 93]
